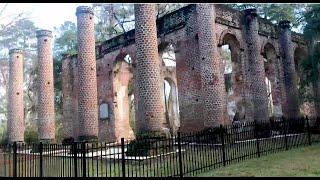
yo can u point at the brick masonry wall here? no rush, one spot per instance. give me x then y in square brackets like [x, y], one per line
[191, 108]
[88, 110]
[150, 107]
[67, 110]
[46, 116]
[16, 125]
[188, 77]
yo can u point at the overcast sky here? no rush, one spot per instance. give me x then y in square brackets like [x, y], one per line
[44, 15]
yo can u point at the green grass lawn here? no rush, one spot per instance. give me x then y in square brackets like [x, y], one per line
[302, 161]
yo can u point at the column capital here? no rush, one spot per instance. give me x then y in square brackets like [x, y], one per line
[250, 12]
[284, 24]
[16, 50]
[43, 32]
[84, 9]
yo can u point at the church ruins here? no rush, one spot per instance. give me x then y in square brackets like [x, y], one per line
[169, 74]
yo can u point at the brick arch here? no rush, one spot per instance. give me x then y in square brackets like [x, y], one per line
[235, 101]
[120, 57]
[269, 43]
[162, 47]
[299, 53]
[233, 33]
[272, 72]
[267, 48]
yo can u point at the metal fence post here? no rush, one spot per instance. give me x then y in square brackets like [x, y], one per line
[15, 159]
[285, 133]
[41, 159]
[179, 154]
[257, 137]
[75, 159]
[223, 145]
[308, 130]
[123, 160]
[83, 150]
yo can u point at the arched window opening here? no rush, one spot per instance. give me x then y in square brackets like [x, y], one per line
[170, 92]
[131, 102]
[127, 59]
[272, 81]
[307, 108]
[171, 105]
[269, 94]
[168, 56]
[231, 58]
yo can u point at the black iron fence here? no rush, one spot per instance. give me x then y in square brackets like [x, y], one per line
[182, 155]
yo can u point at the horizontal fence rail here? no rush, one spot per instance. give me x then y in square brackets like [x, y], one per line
[183, 155]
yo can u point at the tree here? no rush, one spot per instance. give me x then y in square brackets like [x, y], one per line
[7, 21]
[112, 19]
[276, 12]
[66, 42]
[115, 19]
[311, 64]
[21, 34]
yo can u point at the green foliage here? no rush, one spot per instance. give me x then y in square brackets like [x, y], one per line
[312, 28]
[21, 34]
[112, 19]
[310, 64]
[66, 42]
[3, 132]
[146, 144]
[276, 12]
[31, 134]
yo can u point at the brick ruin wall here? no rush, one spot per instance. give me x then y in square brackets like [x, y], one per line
[179, 29]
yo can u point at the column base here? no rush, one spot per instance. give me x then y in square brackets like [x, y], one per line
[67, 141]
[88, 139]
[47, 141]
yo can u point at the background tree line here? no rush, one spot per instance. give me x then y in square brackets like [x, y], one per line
[110, 21]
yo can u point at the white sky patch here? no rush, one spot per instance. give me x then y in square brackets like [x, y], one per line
[44, 15]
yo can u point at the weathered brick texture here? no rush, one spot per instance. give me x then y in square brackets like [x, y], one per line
[67, 106]
[189, 78]
[247, 43]
[16, 125]
[46, 116]
[256, 72]
[88, 112]
[291, 108]
[213, 87]
[149, 93]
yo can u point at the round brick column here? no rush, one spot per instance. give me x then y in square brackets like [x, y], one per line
[291, 106]
[88, 108]
[212, 78]
[256, 74]
[15, 97]
[46, 118]
[150, 110]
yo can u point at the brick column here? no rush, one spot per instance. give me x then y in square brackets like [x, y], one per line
[46, 118]
[213, 87]
[88, 108]
[150, 110]
[256, 73]
[15, 97]
[291, 107]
